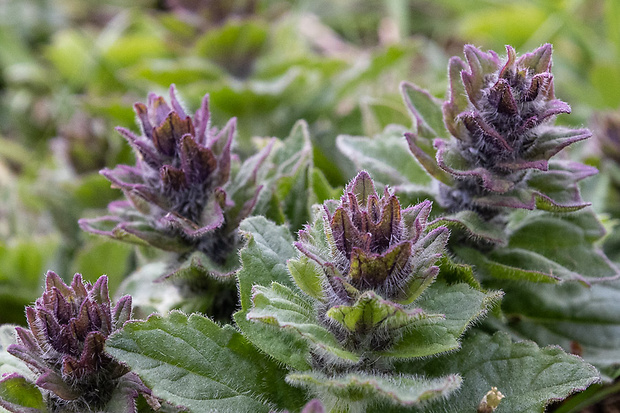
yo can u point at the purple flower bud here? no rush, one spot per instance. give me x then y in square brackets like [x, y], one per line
[368, 252]
[176, 196]
[500, 112]
[64, 344]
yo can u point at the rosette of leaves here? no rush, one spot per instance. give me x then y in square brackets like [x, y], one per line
[364, 266]
[500, 115]
[373, 258]
[505, 242]
[176, 196]
[63, 346]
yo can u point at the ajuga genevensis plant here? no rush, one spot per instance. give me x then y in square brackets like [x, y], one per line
[460, 289]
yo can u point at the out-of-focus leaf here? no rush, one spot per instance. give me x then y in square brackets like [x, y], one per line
[18, 394]
[385, 156]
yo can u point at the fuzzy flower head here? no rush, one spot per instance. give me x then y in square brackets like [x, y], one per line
[176, 196]
[499, 125]
[376, 245]
[500, 113]
[368, 256]
[64, 345]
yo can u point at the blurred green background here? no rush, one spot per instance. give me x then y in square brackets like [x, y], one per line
[70, 71]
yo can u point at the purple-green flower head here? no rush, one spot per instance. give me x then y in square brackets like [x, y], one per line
[500, 112]
[367, 255]
[175, 193]
[502, 125]
[64, 345]
[374, 244]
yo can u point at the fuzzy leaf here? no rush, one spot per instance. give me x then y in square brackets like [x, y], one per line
[453, 273]
[425, 110]
[294, 193]
[286, 180]
[546, 248]
[583, 320]
[528, 376]
[264, 260]
[356, 392]
[307, 275]
[279, 306]
[473, 226]
[385, 156]
[9, 363]
[321, 188]
[292, 162]
[493, 267]
[459, 303]
[191, 361]
[264, 257]
[552, 190]
[19, 395]
[134, 230]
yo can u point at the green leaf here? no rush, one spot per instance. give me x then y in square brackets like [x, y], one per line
[148, 297]
[453, 273]
[386, 157]
[547, 248]
[425, 110]
[294, 193]
[9, 363]
[99, 256]
[180, 71]
[605, 78]
[357, 392]
[528, 376]
[378, 113]
[321, 188]
[473, 226]
[459, 303]
[286, 178]
[191, 361]
[307, 275]
[279, 306]
[264, 260]
[22, 265]
[71, 53]
[370, 69]
[489, 264]
[234, 45]
[131, 48]
[18, 394]
[584, 320]
[264, 257]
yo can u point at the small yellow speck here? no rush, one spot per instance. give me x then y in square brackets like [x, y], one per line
[490, 401]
